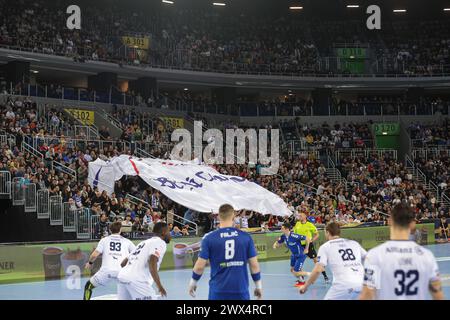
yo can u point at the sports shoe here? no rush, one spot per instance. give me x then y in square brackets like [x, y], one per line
[299, 283]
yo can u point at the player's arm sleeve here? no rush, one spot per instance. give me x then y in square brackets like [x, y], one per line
[372, 272]
[322, 257]
[100, 246]
[281, 239]
[251, 248]
[156, 251]
[204, 251]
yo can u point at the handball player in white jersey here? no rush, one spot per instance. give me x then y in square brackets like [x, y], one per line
[140, 269]
[114, 249]
[400, 269]
[344, 257]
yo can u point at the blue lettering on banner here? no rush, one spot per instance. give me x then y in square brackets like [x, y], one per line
[191, 183]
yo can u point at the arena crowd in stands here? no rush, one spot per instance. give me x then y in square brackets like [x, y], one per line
[200, 39]
[370, 187]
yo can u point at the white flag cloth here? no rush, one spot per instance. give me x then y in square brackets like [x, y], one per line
[197, 187]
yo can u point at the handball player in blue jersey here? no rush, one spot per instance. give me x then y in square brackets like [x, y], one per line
[298, 252]
[228, 250]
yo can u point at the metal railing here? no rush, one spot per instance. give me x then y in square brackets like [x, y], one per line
[182, 59]
[142, 153]
[28, 148]
[93, 221]
[334, 173]
[69, 215]
[3, 139]
[83, 225]
[18, 191]
[30, 204]
[56, 210]
[341, 154]
[5, 184]
[113, 121]
[43, 204]
[90, 132]
[430, 153]
[39, 141]
[445, 200]
[64, 169]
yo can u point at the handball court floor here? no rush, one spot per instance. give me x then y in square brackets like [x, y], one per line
[278, 283]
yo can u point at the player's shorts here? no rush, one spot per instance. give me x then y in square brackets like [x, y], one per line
[342, 293]
[297, 262]
[312, 251]
[228, 296]
[135, 291]
[102, 277]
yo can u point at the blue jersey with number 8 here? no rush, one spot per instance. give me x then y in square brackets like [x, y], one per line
[228, 251]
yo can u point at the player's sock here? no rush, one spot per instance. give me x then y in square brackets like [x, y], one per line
[88, 291]
[300, 281]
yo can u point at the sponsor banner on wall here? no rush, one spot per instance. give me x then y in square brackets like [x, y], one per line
[136, 42]
[86, 117]
[22, 263]
[175, 123]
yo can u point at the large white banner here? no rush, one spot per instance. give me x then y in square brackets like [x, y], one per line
[198, 187]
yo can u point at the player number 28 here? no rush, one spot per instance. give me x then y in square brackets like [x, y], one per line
[347, 254]
[229, 249]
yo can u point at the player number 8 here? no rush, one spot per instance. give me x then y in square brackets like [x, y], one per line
[229, 249]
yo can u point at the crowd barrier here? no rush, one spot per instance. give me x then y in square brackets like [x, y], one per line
[5, 184]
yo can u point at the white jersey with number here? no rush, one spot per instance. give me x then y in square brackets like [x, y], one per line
[400, 270]
[344, 258]
[114, 250]
[137, 268]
